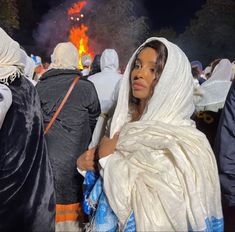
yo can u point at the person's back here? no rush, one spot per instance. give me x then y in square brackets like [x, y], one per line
[224, 149]
[106, 82]
[70, 134]
[27, 200]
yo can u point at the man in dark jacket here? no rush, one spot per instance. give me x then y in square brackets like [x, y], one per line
[71, 132]
[225, 151]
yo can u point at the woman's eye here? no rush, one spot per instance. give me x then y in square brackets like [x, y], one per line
[137, 66]
[152, 70]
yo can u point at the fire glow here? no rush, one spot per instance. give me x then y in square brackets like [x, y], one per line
[77, 34]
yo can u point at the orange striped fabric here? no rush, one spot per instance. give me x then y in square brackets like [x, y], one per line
[71, 212]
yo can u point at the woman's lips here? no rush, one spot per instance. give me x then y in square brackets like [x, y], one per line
[138, 86]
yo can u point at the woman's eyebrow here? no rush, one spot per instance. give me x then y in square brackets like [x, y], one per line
[152, 62]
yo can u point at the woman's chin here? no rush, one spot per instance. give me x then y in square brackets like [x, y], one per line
[138, 95]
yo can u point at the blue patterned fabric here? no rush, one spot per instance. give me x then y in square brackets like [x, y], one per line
[88, 184]
[130, 225]
[96, 205]
[214, 225]
[103, 219]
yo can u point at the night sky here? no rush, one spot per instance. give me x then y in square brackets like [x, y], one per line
[168, 13]
[165, 13]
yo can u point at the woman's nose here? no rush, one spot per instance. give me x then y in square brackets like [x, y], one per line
[140, 73]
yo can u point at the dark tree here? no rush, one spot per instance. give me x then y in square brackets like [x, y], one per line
[9, 15]
[167, 32]
[212, 34]
[113, 24]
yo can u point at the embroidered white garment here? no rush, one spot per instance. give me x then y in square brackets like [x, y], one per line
[163, 167]
[5, 102]
[65, 56]
[10, 59]
[215, 89]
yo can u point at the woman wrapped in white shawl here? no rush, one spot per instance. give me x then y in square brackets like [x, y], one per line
[160, 167]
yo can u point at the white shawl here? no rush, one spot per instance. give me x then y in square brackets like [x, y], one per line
[10, 58]
[215, 89]
[163, 167]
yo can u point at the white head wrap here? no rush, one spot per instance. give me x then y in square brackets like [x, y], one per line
[65, 56]
[86, 60]
[10, 59]
[163, 167]
[109, 60]
[215, 89]
[178, 106]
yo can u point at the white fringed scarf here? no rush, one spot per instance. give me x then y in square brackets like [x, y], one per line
[163, 167]
[11, 66]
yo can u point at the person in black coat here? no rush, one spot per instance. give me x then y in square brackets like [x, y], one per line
[224, 149]
[27, 199]
[71, 132]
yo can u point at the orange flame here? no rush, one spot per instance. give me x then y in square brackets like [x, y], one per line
[79, 38]
[76, 8]
[77, 34]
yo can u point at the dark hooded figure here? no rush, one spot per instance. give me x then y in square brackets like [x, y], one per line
[27, 199]
[95, 66]
[225, 151]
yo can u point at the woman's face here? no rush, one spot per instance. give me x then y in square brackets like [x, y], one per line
[144, 73]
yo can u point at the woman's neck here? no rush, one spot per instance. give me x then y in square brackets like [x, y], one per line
[139, 109]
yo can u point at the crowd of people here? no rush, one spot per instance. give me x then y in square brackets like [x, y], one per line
[150, 149]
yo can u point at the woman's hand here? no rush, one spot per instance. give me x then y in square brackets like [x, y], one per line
[107, 146]
[88, 160]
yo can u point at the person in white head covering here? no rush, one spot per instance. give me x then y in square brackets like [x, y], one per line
[39, 69]
[160, 168]
[86, 63]
[215, 89]
[71, 132]
[5, 102]
[29, 66]
[65, 56]
[210, 97]
[106, 81]
[27, 200]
